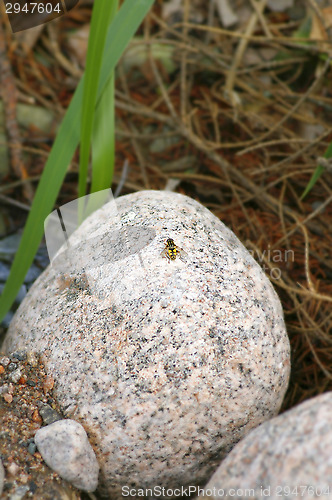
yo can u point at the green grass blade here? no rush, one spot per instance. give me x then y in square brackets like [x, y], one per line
[317, 173]
[103, 146]
[314, 178]
[103, 13]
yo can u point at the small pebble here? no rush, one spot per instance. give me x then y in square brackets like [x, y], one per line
[48, 415]
[8, 397]
[36, 417]
[4, 360]
[4, 388]
[13, 469]
[65, 448]
[32, 358]
[32, 448]
[21, 356]
[48, 384]
[33, 486]
[15, 375]
[19, 493]
[23, 379]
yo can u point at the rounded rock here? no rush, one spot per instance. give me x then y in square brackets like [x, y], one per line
[166, 362]
[65, 448]
[289, 456]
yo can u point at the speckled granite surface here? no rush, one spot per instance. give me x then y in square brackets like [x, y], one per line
[166, 364]
[288, 457]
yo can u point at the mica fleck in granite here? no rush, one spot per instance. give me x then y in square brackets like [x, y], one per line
[288, 457]
[166, 364]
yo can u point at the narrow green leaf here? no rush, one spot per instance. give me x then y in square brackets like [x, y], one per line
[314, 178]
[103, 147]
[103, 143]
[103, 13]
[317, 173]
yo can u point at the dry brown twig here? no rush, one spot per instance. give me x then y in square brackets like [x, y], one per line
[8, 93]
[231, 77]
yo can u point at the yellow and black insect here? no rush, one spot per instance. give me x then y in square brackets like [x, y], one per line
[171, 251]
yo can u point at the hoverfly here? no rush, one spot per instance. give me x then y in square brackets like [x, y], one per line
[171, 251]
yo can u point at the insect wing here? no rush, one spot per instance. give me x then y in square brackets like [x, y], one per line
[182, 254]
[164, 253]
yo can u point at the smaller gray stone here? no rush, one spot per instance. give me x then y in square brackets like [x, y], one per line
[48, 415]
[32, 359]
[15, 375]
[4, 388]
[4, 361]
[32, 448]
[65, 448]
[19, 493]
[2, 477]
[20, 356]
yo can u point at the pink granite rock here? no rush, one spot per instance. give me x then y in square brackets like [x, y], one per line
[288, 457]
[166, 363]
